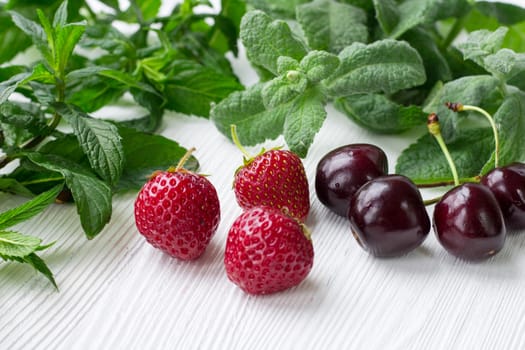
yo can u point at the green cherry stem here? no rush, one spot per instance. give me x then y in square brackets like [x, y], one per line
[458, 107]
[435, 130]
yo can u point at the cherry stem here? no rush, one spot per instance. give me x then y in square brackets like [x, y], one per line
[448, 182]
[184, 159]
[432, 200]
[435, 130]
[458, 107]
[237, 142]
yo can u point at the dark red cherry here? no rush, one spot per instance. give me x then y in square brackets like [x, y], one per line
[468, 222]
[342, 171]
[388, 217]
[508, 185]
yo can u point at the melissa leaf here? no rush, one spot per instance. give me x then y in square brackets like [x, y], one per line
[304, 119]
[266, 40]
[424, 162]
[383, 66]
[331, 25]
[481, 43]
[92, 196]
[379, 114]
[510, 119]
[505, 64]
[387, 14]
[255, 123]
[99, 140]
[506, 14]
[283, 89]
[319, 65]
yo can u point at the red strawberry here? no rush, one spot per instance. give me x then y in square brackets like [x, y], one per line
[275, 178]
[267, 251]
[178, 212]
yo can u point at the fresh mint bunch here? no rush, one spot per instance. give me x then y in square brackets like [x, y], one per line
[183, 69]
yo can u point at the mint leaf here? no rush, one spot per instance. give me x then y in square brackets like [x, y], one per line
[35, 32]
[39, 265]
[331, 26]
[505, 64]
[319, 65]
[436, 66]
[255, 123]
[14, 244]
[506, 14]
[13, 186]
[91, 195]
[12, 40]
[283, 89]
[383, 66]
[415, 12]
[277, 8]
[484, 91]
[424, 162]
[266, 40]
[67, 37]
[303, 121]
[191, 88]
[29, 209]
[482, 43]
[60, 18]
[510, 119]
[7, 87]
[379, 114]
[387, 14]
[146, 153]
[99, 140]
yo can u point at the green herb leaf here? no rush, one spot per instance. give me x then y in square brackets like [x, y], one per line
[191, 88]
[303, 121]
[7, 87]
[99, 140]
[383, 66]
[255, 123]
[319, 65]
[12, 40]
[283, 89]
[481, 43]
[91, 195]
[35, 32]
[510, 119]
[484, 91]
[146, 153]
[266, 40]
[331, 26]
[29, 209]
[277, 8]
[424, 162]
[39, 265]
[14, 244]
[387, 14]
[505, 64]
[13, 186]
[379, 114]
[505, 14]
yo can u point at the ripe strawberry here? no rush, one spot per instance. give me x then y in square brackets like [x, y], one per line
[267, 251]
[275, 178]
[178, 211]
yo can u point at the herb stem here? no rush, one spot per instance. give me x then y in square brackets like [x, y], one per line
[453, 33]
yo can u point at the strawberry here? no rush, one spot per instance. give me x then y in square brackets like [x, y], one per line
[267, 251]
[178, 212]
[274, 178]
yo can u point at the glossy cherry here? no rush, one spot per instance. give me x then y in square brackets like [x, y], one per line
[342, 171]
[508, 185]
[388, 217]
[468, 222]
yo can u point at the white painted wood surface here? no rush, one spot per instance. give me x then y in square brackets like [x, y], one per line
[117, 292]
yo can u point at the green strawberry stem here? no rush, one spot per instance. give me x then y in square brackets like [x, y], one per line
[458, 107]
[184, 159]
[237, 142]
[435, 130]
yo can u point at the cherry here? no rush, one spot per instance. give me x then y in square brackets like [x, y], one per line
[342, 171]
[387, 216]
[508, 185]
[469, 223]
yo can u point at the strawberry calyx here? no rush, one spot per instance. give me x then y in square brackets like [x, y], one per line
[179, 168]
[247, 158]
